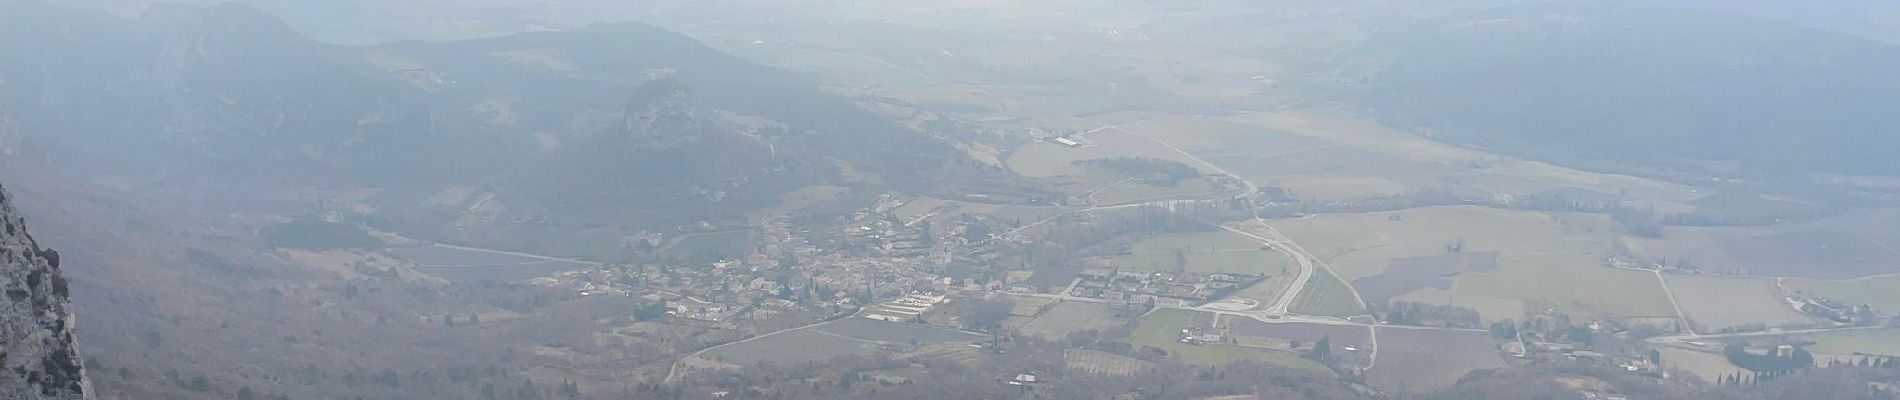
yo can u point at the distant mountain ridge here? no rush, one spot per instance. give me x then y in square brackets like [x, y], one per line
[228, 92]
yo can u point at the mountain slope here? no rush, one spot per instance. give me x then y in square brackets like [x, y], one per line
[37, 355]
[229, 91]
[1613, 83]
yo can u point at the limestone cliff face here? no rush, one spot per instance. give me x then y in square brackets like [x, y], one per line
[37, 359]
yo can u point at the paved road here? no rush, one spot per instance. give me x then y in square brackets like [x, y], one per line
[1680, 316]
[1280, 305]
[1771, 332]
[673, 372]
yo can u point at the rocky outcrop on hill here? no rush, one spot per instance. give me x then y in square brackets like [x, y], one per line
[36, 329]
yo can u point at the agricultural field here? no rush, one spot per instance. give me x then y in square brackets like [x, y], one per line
[1885, 342]
[1814, 253]
[1708, 365]
[1050, 159]
[1341, 335]
[1412, 360]
[1213, 138]
[1879, 292]
[1753, 205]
[893, 332]
[1363, 244]
[1713, 303]
[459, 265]
[1069, 317]
[946, 211]
[1135, 192]
[448, 256]
[1703, 247]
[708, 246]
[1326, 295]
[1204, 252]
[1265, 291]
[1097, 362]
[1856, 244]
[498, 273]
[1026, 306]
[1407, 275]
[1161, 329]
[789, 348]
[1375, 150]
[800, 198]
[1578, 286]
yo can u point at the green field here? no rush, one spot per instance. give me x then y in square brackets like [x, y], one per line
[1574, 285]
[1205, 252]
[1326, 295]
[1879, 292]
[1070, 317]
[1161, 330]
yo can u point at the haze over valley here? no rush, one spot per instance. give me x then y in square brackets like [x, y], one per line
[1472, 199]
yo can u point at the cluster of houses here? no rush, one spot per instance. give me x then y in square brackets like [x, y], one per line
[1828, 309]
[904, 309]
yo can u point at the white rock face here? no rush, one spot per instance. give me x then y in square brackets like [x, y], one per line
[36, 330]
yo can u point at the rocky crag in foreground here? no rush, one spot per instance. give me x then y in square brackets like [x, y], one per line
[36, 330]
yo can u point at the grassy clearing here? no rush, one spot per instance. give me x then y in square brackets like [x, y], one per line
[1161, 330]
[1205, 252]
[1326, 295]
[1574, 285]
[1713, 303]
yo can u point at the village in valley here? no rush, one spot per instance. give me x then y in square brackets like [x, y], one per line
[1266, 230]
